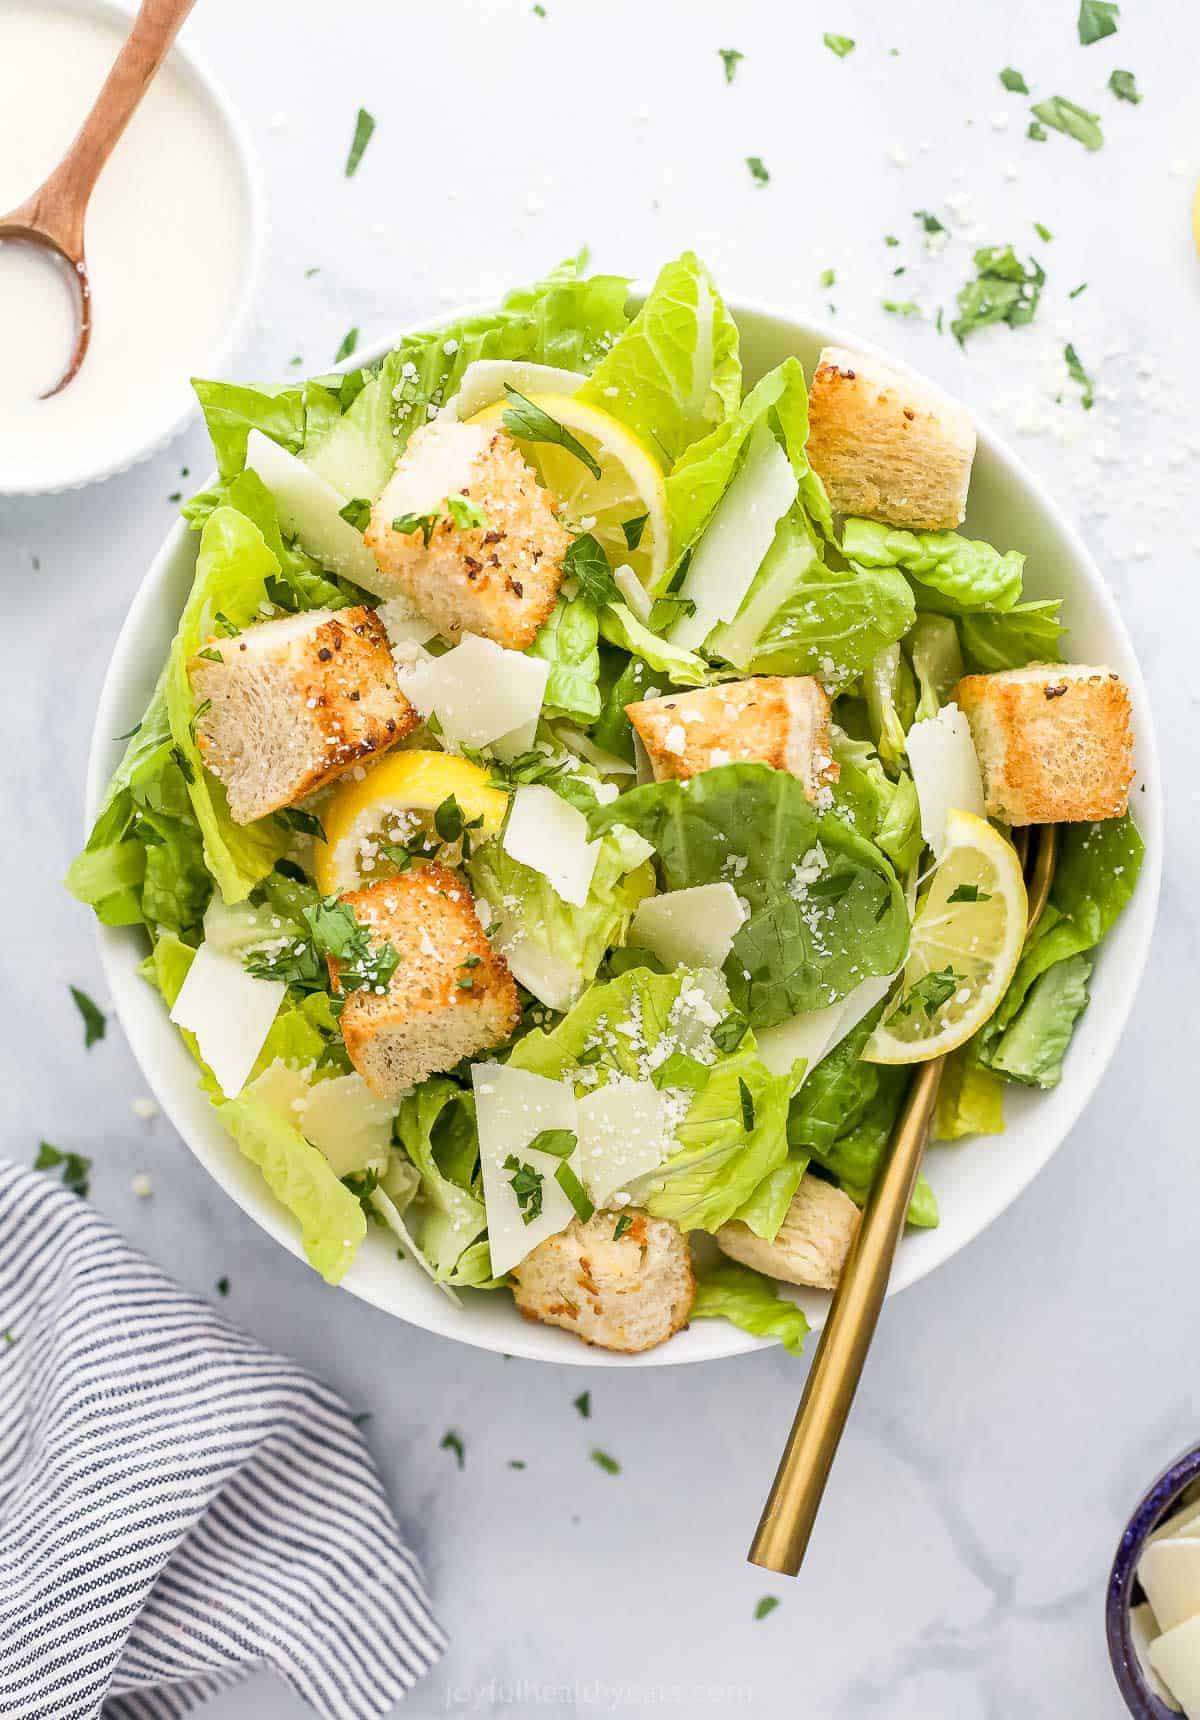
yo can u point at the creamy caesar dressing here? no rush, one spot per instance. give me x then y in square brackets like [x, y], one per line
[168, 244]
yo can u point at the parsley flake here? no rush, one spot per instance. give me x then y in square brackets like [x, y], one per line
[222, 1286]
[1080, 375]
[94, 1019]
[1072, 120]
[931, 991]
[575, 1192]
[1043, 233]
[827, 278]
[1075, 291]
[349, 342]
[603, 1461]
[758, 171]
[1124, 86]
[583, 1403]
[452, 1441]
[586, 563]
[559, 1143]
[621, 1226]
[633, 530]
[968, 893]
[356, 513]
[729, 59]
[423, 523]
[517, 1462]
[766, 1605]
[1003, 291]
[839, 45]
[74, 1167]
[1011, 78]
[747, 1099]
[1037, 132]
[466, 514]
[901, 307]
[307, 823]
[526, 1186]
[528, 423]
[1097, 19]
[364, 125]
[929, 222]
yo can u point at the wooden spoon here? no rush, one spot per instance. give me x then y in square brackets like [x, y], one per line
[788, 1516]
[54, 216]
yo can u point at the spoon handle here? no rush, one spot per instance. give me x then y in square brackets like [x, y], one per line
[58, 207]
[795, 1497]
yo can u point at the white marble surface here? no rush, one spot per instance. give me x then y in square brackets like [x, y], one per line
[1018, 1400]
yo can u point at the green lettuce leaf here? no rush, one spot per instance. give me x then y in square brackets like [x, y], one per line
[569, 642]
[332, 1221]
[952, 575]
[620, 626]
[805, 944]
[970, 1099]
[436, 1128]
[767, 1207]
[232, 569]
[891, 696]
[302, 582]
[803, 618]
[675, 372]
[937, 662]
[1027, 633]
[563, 943]
[881, 808]
[289, 415]
[747, 1299]
[1032, 1048]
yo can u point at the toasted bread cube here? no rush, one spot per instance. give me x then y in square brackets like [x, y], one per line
[292, 703]
[810, 1246]
[1055, 741]
[782, 720]
[500, 579]
[887, 444]
[450, 996]
[628, 1293]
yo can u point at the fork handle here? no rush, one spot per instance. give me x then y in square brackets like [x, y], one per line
[58, 207]
[795, 1497]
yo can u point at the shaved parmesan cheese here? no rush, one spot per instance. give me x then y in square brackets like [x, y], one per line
[808, 1036]
[548, 834]
[346, 1122]
[389, 1212]
[435, 465]
[736, 539]
[945, 772]
[553, 981]
[403, 622]
[511, 1107]
[1175, 1656]
[485, 379]
[308, 509]
[689, 928]
[1169, 1571]
[285, 1089]
[480, 693]
[229, 1012]
[624, 1131]
[633, 591]
[1143, 1628]
[858, 1003]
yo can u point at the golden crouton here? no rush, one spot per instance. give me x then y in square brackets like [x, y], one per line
[289, 704]
[811, 1244]
[1055, 742]
[627, 1293]
[450, 995]
[500, 578]
[887, 444]
[781, 719]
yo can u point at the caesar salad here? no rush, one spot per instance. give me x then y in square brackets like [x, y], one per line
[580, 789]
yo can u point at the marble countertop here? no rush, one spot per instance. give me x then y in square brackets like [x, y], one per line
[1017, 1401]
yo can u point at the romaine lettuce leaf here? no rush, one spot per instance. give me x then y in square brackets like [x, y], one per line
[232, 569]
[436, 1128]
[952, 575]
[891, 696]
[289, 415]
[881, 808]
[808, 941]
[302, 582]
[620, 626]
[937, 662]
[675, 372]
[747, 1299]
[331, 1220]
[1026, 633]
[970, 1098]
[569, 642]
[1031, 1049]
[767, 1207]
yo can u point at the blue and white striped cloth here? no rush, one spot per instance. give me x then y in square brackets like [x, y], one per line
[177, 1505]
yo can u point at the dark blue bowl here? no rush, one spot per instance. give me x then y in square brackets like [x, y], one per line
[1155, 1504]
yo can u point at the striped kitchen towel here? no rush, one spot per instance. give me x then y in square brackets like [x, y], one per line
[177, 1505]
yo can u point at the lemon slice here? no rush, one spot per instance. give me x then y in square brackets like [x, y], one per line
[395, 803]
[629, 487]
[966, 942]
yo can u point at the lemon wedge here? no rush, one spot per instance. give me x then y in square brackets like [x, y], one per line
[629, 489]
[395, 803]
[966, 942]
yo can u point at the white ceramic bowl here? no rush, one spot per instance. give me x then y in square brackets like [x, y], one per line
[974, 1182]
[110, 454]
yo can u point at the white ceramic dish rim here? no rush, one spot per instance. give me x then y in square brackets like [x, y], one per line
[256, 228]
[141, 1014]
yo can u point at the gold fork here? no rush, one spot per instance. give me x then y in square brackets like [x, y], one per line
[788, 1516]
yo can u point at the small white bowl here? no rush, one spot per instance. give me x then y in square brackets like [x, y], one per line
[974, 1182]
[106, 456]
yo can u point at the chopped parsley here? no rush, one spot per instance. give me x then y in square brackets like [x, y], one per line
[423, 523]
[575, 1192]
[968, 893]
[680, 1070]
[349, 342]
[1080, 375]
[1003, 291]
[603, 1461]
[931, 991]
[309, 273]
[362, 1418]
[728, 1034]
[839, 45]
[519, 1462]
[224, 625]
[1075, 291]
[222, 1286]
[929, 222]
[356, 513]
[758, 171]
[1037, 132]
[621, 1226]
[526, 1186]
[901, 307]
[559, 1143]
[307, 823]
[583, 1403]
[1097, 19]
[466, 514]
[528, 423]
[94, 1020]
[74, 1167]
[747, 1099]
[1068, 117]
[766, 1605]
[1043, 233]
[210, 654]
[1124, 86]
[333, 932]
[729, 59]
[452, 1441]
[890, 239]
[364, 125]
[586, 563]
[633, 530]
[1011, 78]
[539, 11]
[828, 278]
